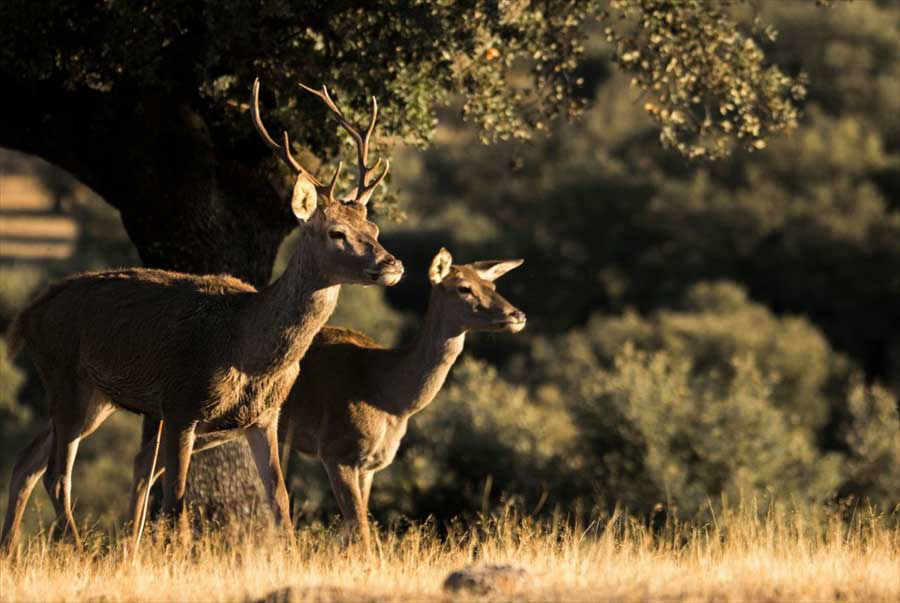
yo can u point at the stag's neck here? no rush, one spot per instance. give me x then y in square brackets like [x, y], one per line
[281, 321]
[420, 370]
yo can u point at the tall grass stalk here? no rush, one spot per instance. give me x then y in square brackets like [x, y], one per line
[744, 555]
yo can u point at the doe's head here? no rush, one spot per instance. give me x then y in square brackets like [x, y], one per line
[469, 297]
[344, 240]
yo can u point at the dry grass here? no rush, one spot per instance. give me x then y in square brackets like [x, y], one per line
[737, 557]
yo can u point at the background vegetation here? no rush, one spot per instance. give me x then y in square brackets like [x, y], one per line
[695, 328]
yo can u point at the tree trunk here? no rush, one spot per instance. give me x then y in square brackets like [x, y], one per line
[186, 204]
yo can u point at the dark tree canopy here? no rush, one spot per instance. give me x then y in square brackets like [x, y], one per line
[114, 67]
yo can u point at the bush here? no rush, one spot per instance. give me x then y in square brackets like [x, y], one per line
[873, 441]
[715, 323]
[11, 381]
[719, 396]
[701, 437]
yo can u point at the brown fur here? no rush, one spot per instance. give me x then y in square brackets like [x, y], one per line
[207, 351]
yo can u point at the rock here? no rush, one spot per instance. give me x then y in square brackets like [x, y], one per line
[321, 594]
[282, 595]
[487, 579]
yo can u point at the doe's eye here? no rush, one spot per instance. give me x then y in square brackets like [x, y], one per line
[464, 290]
[337, 235]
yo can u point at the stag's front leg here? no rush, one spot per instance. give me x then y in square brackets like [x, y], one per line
[179, 444]
[263, 440]
[143, 461]
[143, 481]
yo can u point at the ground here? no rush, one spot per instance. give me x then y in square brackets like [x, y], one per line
[781, 556]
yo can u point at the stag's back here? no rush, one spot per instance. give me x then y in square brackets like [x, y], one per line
[131, 333]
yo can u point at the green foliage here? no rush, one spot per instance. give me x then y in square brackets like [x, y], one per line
[809, 226]
[716, 397]
[513, 62]
[689, 403]
[873, 439]
[18, 285]
[701, 437]
[716, 325]
[707, 77]
[11, 380]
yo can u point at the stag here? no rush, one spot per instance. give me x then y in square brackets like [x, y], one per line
[205, 354]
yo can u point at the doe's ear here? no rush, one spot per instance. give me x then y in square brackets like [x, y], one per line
[491, 270]
[304, 198]
[440, 266]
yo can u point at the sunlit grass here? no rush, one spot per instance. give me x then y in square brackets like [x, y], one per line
[739, 556]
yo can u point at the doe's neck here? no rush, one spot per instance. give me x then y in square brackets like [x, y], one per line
[422, 368]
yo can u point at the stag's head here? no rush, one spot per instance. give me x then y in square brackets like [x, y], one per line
[337, 230]
[468, 296]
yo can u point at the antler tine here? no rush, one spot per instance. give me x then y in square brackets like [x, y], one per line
[363, 197]
[257, 120]
[283, 152]
[372, 121]
[334, 179]
[366, 185]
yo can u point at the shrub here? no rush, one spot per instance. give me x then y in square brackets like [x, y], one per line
[11, 381]
[719, 396]
[873, 441]
[716, 323]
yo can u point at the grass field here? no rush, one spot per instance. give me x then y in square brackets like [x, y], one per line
[783, 556]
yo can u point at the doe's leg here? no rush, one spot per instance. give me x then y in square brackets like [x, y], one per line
[365, 487]
[345, 485]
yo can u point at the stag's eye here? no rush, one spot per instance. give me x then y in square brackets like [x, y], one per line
[464, 290]
[337, 235]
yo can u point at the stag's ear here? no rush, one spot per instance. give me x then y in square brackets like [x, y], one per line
[440, 266]
[304, 198]
[491, 270]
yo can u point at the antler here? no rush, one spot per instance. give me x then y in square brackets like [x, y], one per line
[283, 152]
[367, 183]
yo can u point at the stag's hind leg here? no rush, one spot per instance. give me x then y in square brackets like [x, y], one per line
[58, 479]
[73, 419]
[30, 465]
